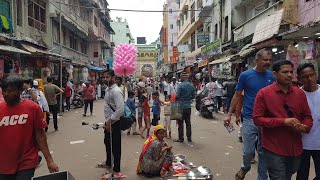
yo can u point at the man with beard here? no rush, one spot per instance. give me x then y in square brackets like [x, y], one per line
[251, 81]
[282, 111]
[113, 110]
[21, 134]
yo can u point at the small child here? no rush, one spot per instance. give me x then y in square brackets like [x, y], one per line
[131, 104]
[155, 108]
[167, 114]
[146, 115]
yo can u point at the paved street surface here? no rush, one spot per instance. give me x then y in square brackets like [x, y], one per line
[212, 146]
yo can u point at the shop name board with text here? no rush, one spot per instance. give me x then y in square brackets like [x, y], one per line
[211, 49]
[202, 39]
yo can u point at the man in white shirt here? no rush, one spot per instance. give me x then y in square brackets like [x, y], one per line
[173, 87]
[311, 142]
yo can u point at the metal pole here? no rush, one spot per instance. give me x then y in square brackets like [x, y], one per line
[60, 35]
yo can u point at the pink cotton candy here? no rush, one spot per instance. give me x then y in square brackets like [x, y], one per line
[125, 57]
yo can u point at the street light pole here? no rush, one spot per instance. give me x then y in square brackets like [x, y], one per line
[60, 36]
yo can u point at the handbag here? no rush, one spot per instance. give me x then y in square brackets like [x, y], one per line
[127, 119]
[176, 111]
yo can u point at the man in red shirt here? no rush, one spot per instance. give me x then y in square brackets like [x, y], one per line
[21, 134]
[89, 94]
[283, 113]
[68, 93]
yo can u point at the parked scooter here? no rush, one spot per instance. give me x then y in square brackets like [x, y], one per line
[207, 107]
[78, 100]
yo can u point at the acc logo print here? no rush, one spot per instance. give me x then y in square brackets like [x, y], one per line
[13, 120]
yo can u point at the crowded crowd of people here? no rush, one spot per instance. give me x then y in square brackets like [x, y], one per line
[279, 120]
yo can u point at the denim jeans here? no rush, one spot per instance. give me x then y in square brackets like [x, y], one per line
[250, 134]
[20, 175]
[303, 172]
[281, 167]
[228, 101]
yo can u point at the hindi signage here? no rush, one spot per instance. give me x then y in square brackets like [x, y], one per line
[202, 39]
[211, 49]
[189, 61]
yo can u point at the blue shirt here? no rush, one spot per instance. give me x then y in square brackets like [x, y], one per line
[131, 105]
[185, 94]
[155, 107]
[251, 82]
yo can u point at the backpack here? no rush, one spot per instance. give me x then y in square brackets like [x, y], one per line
[127, 119]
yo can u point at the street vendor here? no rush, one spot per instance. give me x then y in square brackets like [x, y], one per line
[156, 156]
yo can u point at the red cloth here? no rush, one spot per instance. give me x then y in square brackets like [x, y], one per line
[19, 150]
[146, 108]
[89, 93]
[269, 113]
[67, 91]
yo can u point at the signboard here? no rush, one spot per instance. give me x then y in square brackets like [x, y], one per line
[211, 49]
[173, 59]
[175, 51]
[110, 62]
[189, 61]
[268, 27]
[202, 63]
[184, 48]
[202, 39]
[290, 14]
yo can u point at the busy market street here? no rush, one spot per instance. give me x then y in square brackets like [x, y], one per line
[212, 146]
[159, 89]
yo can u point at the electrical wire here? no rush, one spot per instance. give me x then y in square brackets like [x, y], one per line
[130, 10]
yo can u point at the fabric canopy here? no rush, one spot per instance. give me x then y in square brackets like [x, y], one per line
[96, 68]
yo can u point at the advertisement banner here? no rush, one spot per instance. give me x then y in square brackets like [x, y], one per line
[202, 39]
[173, 59]
[175, 51]
[211, 49]
[189, 61]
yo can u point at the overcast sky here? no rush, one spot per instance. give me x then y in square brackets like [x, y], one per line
[141, 24]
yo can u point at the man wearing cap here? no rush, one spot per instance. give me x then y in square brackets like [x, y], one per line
[185, 94]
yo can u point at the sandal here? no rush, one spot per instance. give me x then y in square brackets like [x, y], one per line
[240, 175]
[103, 165]
[119, 176]
[177, 140]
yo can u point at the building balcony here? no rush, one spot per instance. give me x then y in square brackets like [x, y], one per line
[248, 27]
[188, 28]
[69, 53]
[70, 19]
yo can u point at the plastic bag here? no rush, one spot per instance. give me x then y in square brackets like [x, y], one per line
[176, 111]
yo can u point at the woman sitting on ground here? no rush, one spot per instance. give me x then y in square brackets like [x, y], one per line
[156, 156]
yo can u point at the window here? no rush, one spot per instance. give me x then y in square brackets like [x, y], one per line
[192, 13]
[37, 14]
[170, 11]
[193, 41]
[95, 54]
[216, 31]
[83, 47]
[73, 41]
[19, 12]
[171, 43]
[64, 36]
[95, 21]
[147, 55]
[199, 4]
[151, 54]
[171, 26]
[127, 26]
[141, 55]
[226, 23]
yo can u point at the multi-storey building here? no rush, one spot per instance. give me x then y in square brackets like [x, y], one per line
[147, 59]
[122, 32]
[35, 27]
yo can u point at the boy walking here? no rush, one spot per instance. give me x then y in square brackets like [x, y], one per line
[155, 108]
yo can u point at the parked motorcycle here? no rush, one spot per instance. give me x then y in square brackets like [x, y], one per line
[78, 100]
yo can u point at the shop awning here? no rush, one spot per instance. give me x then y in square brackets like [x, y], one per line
[12, 49]
[96, 68]
[223, 60]
[35, 50]
[247, 49]
[268, 27]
